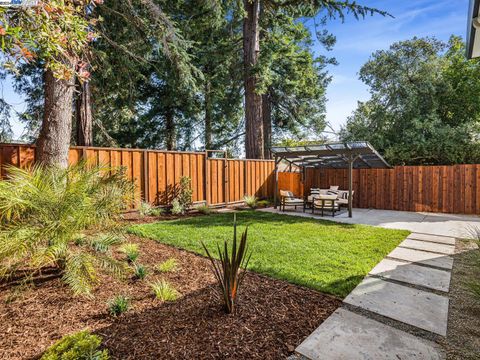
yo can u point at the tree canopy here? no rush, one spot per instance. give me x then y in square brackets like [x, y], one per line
[424, 106]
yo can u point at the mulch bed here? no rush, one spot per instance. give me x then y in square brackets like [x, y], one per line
[272, 317]
[463, 338]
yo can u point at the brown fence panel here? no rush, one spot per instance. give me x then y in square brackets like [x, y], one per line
[446, 189]
[157, 174]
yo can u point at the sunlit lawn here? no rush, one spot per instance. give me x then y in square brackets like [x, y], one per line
[323, 255]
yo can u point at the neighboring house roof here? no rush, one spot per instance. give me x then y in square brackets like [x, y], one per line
[473, 30]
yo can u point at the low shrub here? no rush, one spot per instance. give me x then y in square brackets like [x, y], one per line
[79, 346]
[204, 209]
[169, 265]
[250, 201]
[177, 208]
[145, 209]
[118, 305]
[140, 271]
[228, 271]
[183, 199]
[164, 291]
[131, 251]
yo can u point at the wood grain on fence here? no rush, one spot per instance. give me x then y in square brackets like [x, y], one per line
[157, 174]
[447, 189]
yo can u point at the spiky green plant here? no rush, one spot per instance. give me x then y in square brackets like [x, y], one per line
[251, 201]
[169, 265]
[228, 271]
[140, 271]
[164, 291]
[118, 305]
[131, 251]
[50, 217]
[79, 346]
[204, 209]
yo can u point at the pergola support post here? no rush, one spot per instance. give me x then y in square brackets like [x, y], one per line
[350, 184]
[275, 192]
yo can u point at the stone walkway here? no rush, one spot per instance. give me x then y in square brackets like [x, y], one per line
[395, 309]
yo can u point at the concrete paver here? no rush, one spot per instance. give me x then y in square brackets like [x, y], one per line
[346, 335]
[418, 308]
[428, 246]
[422, 257]
[413, 274]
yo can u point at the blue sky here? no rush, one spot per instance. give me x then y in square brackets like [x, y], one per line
[356, 40]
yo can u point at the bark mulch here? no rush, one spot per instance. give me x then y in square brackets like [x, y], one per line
[463, 337]
[272, 317]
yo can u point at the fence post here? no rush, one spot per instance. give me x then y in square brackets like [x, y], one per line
[205, 179]
[145, 176]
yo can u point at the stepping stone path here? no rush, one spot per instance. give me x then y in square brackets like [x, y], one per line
[409, 286]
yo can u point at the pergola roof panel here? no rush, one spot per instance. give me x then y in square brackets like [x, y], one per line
[332, 155]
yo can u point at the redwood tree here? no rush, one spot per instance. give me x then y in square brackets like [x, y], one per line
[253, 100]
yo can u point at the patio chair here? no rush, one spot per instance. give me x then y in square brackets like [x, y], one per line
[288, 199]
[343, 197]
[326, 202]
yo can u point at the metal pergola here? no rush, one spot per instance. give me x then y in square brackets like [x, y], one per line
[344, 155]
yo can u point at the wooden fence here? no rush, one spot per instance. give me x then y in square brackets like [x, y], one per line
[447, 189]
[156, 174]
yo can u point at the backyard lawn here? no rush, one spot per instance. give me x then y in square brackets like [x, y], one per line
[323, 255]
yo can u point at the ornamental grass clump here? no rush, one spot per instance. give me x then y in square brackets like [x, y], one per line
[169, 265]
[230, 269]
[62, 217]
[140, 271]
[118, 305]
[251, 201]
[164, 291]
[131, 251]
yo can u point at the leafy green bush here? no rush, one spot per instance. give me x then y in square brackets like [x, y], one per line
[251, 201]
[131, 251]
[145, 209]
[118, 305]
[140, 271]
[204, 209]
[50, 217]
[164, 291]
[228, 271]
[183, 198]
[168, 265]
[177, 209]
[79, 346]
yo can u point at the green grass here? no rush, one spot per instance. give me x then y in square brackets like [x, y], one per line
[323, 255]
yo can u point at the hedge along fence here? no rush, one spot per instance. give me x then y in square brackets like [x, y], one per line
[157, 174]
[447, 189]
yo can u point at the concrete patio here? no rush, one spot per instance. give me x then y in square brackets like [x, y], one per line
[458, 226]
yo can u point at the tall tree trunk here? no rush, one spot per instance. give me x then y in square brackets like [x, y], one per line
[267, 124]
[208, 116]
[253, 101]
[170, 130]
[83, 114]
[54, 138]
